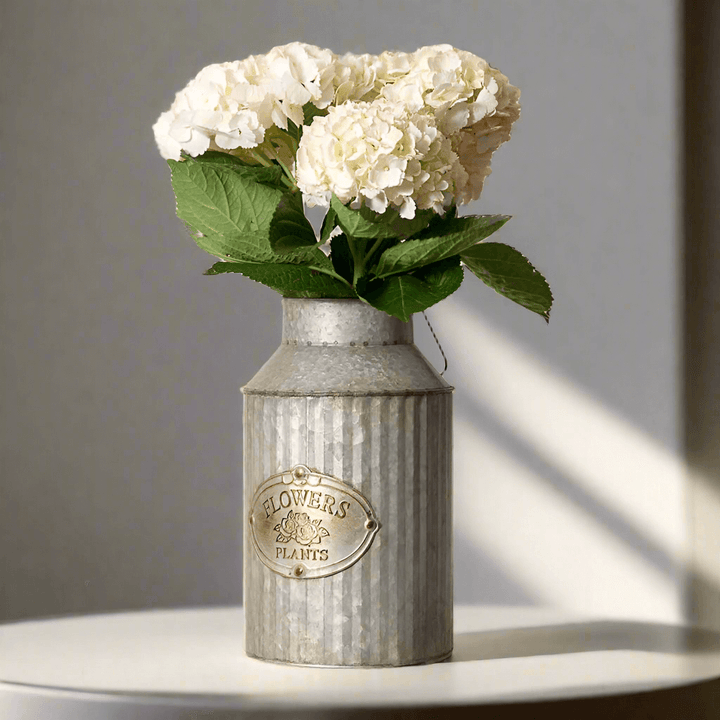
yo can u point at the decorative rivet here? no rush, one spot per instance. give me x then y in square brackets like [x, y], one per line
[298, 570]
[371, 524]
[299, 472]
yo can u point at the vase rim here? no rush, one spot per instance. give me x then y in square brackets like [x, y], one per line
[341, 321]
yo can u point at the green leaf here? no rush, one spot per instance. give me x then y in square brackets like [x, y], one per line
[328, 225]
[230, 213]
[510, 273]
[253, 248]
[456, 236]
[294, 131]
[364, 223]
[403, 295]
[440, 224]
[341, 257]
[289, 228]
[311, 111]
[313, 256]
[256, 249]
[217, 200]
[289, 280]
[271, 175]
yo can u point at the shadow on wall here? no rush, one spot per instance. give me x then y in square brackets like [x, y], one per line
[479, 580]
[579, 507]
[560, 501]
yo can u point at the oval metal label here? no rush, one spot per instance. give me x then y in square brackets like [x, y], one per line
[305, 524]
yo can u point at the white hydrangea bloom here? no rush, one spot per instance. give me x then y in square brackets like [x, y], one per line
[474, 104]
[476, 143]
[204, 114]
[378, 154]
[355, 78]
[456, 86]
[230, 106]
[389, 67]
[278, 84]
[242, 107]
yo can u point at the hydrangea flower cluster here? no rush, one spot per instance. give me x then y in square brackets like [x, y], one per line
[402, 130]
[377, 154]
[231, 106]
[390, 144]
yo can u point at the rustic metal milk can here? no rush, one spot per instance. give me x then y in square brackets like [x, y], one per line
[347, 466]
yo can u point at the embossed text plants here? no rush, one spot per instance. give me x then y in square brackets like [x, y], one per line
[389, 144]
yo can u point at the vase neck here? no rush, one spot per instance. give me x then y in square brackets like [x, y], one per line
[341, 322]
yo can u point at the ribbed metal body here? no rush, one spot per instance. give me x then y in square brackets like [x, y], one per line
[348, 395]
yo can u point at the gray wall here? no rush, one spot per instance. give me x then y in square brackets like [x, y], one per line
[120, 363]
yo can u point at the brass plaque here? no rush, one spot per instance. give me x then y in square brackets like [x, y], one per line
[305, 524]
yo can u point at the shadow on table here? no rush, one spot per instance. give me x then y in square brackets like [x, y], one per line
[582, 637]
[697, 701]
[700, 701]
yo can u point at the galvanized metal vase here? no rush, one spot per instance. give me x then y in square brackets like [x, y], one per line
[347, 467]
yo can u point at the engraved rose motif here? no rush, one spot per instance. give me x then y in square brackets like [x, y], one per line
[288, 526]
[299, 527]
[307, 532]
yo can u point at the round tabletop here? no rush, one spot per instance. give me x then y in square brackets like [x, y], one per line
[173, 663]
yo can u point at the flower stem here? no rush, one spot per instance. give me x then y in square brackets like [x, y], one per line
[358, 261]
[375, 246]
[292, 184]
[332, 274]
[262, 160]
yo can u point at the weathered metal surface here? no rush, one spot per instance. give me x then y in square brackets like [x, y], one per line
[370, 414]
[344, 347]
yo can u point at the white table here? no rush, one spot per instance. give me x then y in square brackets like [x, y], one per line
[182, 664]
